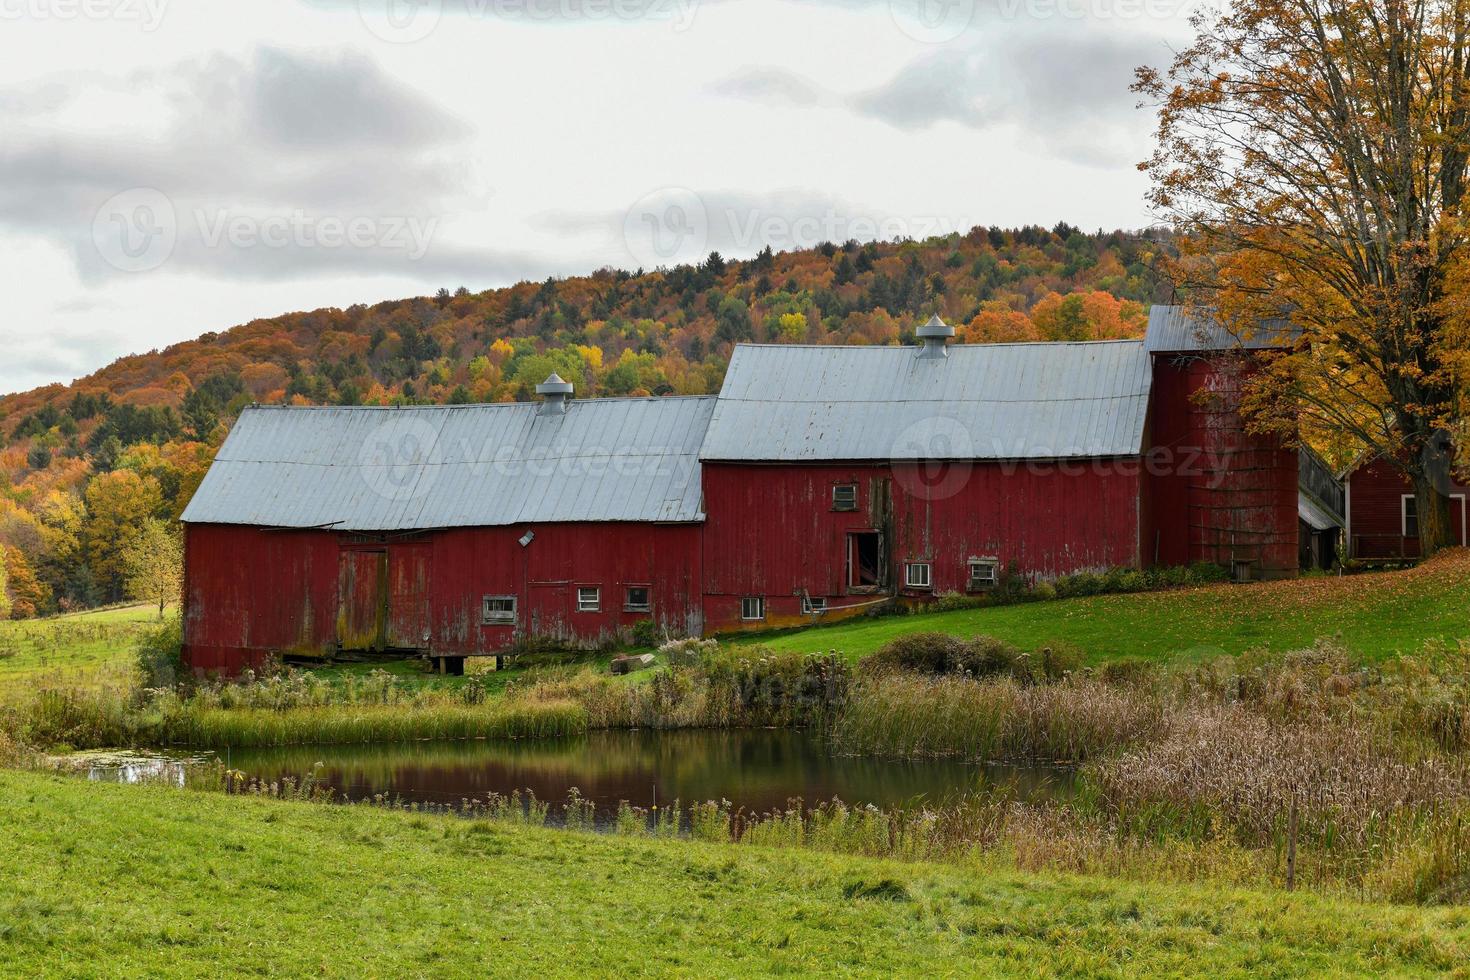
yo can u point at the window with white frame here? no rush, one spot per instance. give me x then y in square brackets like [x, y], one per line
[845, 496]
[813, 604]
[983, 573]
[753, 607]
[1410, 515]
[497, 610]
[638, 598]
[916, 575]
[589, 599]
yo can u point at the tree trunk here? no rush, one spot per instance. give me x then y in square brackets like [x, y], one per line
[1437, 522]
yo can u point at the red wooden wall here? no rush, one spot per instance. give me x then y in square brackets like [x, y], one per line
[1216, 492]
[251, 593]
[771, 530]
[1375, 492]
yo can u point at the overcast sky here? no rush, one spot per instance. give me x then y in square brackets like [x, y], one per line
[169, 167]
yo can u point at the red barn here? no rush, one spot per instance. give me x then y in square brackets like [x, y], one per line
[1218, 493]
[1381, 523]
[445, 531]
[822, 481]
[837, 477]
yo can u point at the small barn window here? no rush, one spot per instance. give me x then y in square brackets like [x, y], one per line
[753, 607]
[1410, 516]
[844, 496]
[813, 604]
[638, 598]
[983, 573]
[916, 575]
[497, 610]
[589, 599]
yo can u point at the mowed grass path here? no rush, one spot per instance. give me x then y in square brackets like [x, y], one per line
[1377, 615]
[78, 649]
[128, 880]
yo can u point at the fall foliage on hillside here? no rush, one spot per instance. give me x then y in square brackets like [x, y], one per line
[84, 467]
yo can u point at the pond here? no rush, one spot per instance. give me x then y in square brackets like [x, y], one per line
[758, 769]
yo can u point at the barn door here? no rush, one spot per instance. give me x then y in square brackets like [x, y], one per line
[362, 581]
[408, 596]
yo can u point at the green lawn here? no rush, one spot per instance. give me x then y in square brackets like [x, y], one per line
[126, 881]
[1377, 615]
[80, 649]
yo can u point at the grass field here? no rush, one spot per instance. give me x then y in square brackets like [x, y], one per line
[78, 650]
[126, 880]
[1376, 615]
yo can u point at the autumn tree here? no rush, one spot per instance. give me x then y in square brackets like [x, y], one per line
[29, 596]
[1314, 152]
[153, 563]
[119, 504]
[4, 584]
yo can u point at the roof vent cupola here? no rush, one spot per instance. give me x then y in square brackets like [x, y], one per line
[933, 336]
[555, 393]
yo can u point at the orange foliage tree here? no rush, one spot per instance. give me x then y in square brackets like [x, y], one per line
[1315, 153]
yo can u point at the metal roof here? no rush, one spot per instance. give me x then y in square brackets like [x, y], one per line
[1174, 329]
[1309, 510]
[787, 403]
[375, 469]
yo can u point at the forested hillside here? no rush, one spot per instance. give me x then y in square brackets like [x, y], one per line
[84, 466]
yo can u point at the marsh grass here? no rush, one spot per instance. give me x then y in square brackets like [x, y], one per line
[993, 719]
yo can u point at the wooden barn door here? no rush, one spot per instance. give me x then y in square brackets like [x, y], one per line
[362, 581]
[408, 596]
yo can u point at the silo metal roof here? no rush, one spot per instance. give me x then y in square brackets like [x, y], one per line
[786, 403]
[377, 469]
[1175, 329]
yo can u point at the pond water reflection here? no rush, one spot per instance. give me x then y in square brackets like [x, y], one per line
[758, 769]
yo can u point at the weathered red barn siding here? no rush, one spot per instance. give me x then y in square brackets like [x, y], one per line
[1375, 493]
[545, 575]
[249, 593]
[1218, 493]
[252, 593]
[772, 531]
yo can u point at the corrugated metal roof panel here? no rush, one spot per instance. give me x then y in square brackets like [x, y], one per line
[1173, 329]
[786, 403]
[375, 469]
[1315, 514]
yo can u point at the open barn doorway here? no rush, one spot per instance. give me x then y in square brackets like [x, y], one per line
[865, 561]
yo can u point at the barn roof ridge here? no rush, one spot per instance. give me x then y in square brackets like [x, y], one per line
[471, 405]
[818, 403]
[910, 347]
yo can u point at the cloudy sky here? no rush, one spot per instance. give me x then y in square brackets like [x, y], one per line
[169, 167]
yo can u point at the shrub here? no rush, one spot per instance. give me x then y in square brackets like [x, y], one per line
[160, 652]
[646, 633]
[924, 653]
